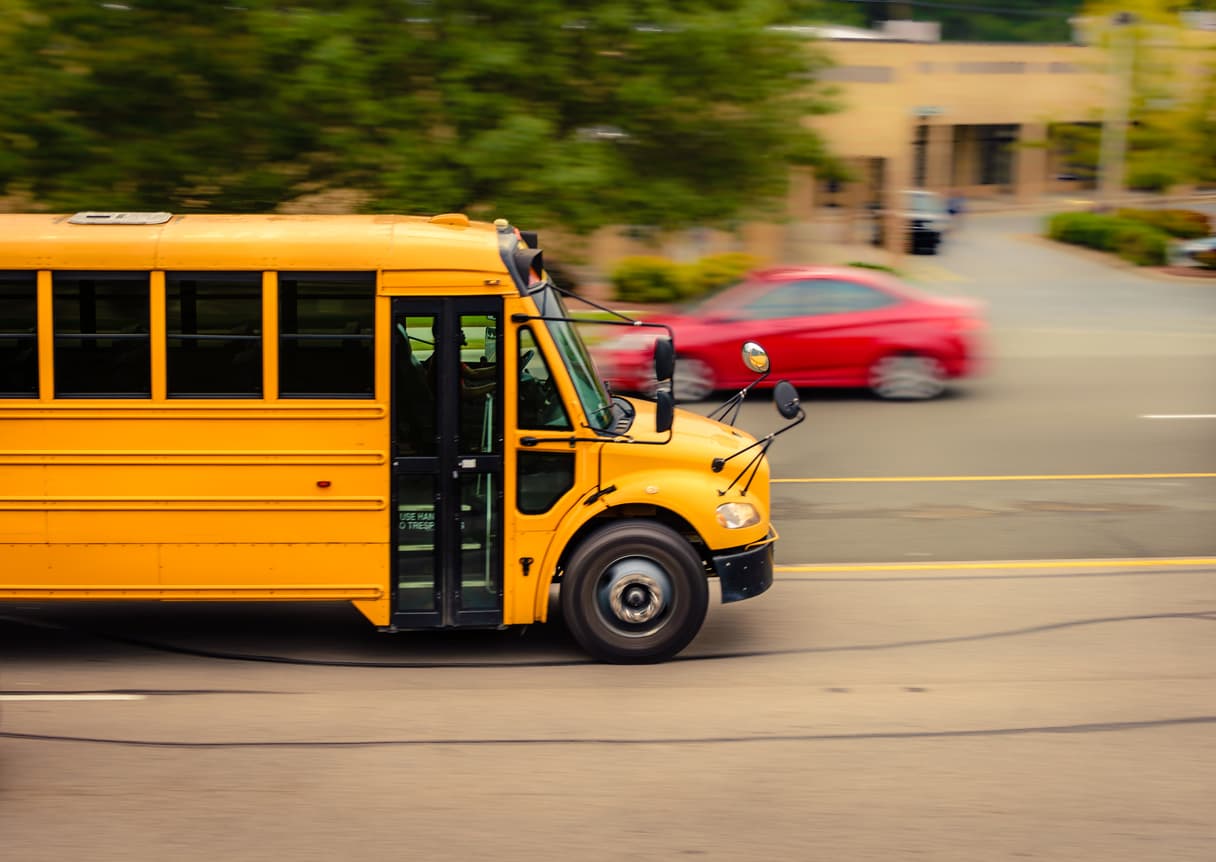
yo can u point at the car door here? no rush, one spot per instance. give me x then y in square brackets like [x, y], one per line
[820, 330]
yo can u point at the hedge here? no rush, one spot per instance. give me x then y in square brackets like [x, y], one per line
[1130, 239]
[1184, 224]
[648, 278]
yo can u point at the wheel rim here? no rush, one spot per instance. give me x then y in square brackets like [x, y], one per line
[907, 378]
[693, 380]
[633, 597]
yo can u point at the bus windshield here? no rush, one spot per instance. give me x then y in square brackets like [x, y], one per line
[593, 395]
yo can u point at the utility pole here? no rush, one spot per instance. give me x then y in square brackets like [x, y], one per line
[1113, 152]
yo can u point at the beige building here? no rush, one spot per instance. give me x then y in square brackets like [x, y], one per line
[954, 117]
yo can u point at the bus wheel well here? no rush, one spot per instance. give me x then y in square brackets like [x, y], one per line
[648, 513]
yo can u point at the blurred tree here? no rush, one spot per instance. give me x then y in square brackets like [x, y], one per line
[1170, 138]
[656, 112]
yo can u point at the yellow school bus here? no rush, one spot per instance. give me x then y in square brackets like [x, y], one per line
[394, 411]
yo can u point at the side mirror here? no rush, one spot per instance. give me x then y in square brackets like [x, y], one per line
[755, 358]
[664, 411]
[664, 359]
[785, 397]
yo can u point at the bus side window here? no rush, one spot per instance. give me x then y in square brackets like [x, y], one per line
[103, 346]
[214, 332]
[326, 334]
[18, 335]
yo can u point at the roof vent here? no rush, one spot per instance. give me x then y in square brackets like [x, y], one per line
[120, 218]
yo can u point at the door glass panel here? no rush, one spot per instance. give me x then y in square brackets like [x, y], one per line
[478, 543]
[540, 405]
[478, 384]
[415, 538]
[414, 403]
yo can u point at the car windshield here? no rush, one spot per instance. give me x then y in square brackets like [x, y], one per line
[720, 299]
[592, 394]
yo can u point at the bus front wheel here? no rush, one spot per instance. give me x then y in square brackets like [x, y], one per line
[634, 592]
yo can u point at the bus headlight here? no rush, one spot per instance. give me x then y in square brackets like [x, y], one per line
[734, 516]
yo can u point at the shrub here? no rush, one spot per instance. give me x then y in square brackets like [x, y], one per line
[646, 279]
[716, 271]
[1093, 230]
[1184, 224]
[1132, 240]
[1140, 244]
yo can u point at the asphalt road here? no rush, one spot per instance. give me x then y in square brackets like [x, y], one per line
[992, 637]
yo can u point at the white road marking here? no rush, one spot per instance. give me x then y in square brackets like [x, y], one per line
[72, 697]
[1178, 415]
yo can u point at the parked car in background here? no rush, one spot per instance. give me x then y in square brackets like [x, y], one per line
[926, 216]
[821, 326]
[1188, 253]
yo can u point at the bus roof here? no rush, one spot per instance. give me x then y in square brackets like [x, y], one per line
[248, 242]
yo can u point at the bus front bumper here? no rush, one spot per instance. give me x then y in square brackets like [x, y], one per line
[747, 573]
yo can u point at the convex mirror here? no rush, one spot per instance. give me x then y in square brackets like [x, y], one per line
[755, 358]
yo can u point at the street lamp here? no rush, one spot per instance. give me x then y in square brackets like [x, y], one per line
[1114, 130]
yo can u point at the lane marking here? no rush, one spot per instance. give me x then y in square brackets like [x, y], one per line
[1045, 477]
[57, 697]
[1000, 564]
[1178, 415]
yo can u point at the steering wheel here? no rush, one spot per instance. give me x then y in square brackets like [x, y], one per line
[526, 357]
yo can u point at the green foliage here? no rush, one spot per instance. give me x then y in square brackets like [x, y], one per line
[646, 278]
[1184, 224]
[657, 279]
[1139, 244]
[1131, 240]
[716, 271]
[579, 115]
[1092, 230]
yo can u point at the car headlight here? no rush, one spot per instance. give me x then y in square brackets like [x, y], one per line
[734, 516]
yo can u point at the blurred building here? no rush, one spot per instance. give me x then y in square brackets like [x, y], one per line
[966, 118]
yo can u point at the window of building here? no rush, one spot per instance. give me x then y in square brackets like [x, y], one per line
[102, 344]
[327, 335]
[214, 334]
[18, 335]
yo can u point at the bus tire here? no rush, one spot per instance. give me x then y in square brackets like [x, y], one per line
[634, 592]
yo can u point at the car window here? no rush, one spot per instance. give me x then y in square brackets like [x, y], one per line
[815, 296]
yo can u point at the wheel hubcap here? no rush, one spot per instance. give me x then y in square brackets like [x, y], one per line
[908, 377]
[634, 596]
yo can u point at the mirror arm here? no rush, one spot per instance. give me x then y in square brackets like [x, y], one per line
[719, 463]
[736, 401]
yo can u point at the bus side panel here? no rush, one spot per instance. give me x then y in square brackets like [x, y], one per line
[227, 497]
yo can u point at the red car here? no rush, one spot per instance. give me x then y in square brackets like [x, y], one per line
[821, 326]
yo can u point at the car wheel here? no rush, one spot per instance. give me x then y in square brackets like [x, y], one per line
[693, 380]
[907, 377]
[634, 592]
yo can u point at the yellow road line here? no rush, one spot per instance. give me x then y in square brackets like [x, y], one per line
[1001, 564]
[1028, 478]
